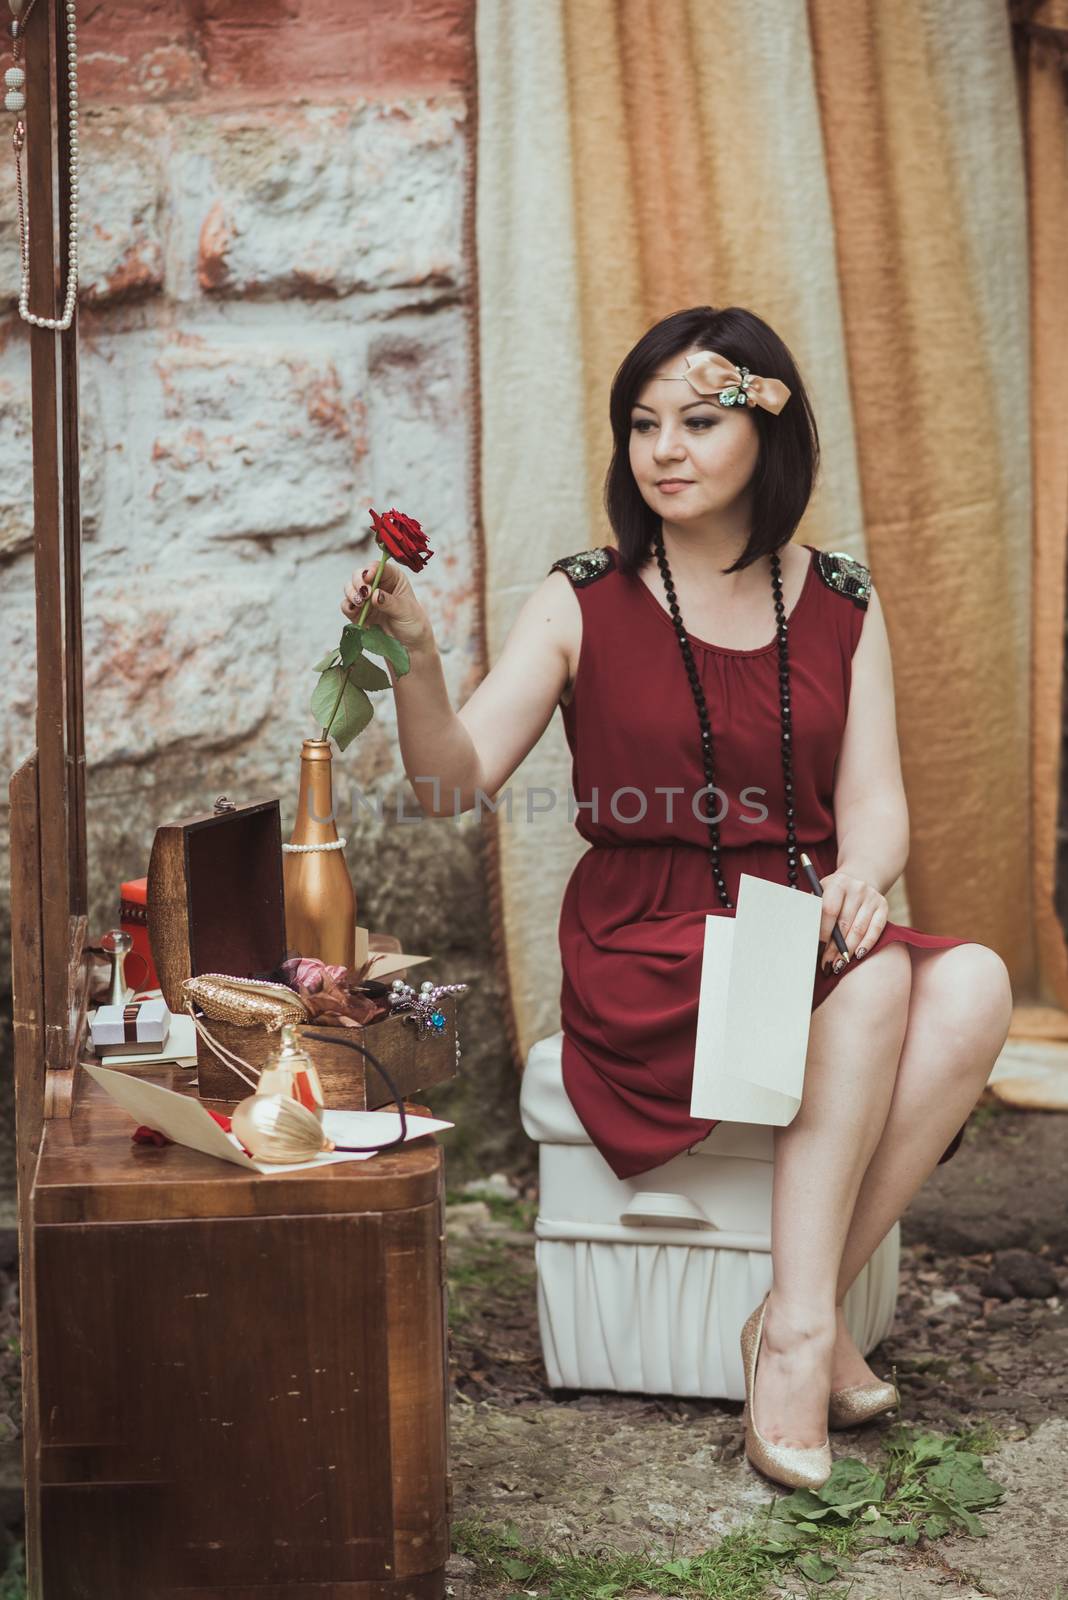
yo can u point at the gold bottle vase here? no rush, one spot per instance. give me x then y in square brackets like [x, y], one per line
[320, 899]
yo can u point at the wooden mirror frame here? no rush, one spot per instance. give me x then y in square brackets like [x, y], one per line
[49, 889]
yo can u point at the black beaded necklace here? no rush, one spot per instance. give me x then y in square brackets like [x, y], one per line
[786, 741]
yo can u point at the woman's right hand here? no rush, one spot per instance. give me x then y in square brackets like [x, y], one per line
[394, 607]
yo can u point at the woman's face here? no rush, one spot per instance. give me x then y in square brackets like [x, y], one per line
[689, 456]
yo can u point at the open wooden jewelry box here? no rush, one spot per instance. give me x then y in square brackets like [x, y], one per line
[216, 903]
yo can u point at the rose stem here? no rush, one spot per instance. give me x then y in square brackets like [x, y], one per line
[359, 623]
[377, 579]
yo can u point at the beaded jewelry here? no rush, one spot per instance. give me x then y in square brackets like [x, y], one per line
[786, 742]
[15, 100]
[847, 575]
[302, 849]
[422, 1008]
[585, 566]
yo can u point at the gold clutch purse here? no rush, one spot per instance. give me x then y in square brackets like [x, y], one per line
[248, 1002]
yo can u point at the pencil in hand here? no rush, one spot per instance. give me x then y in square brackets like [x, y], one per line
[817, 888]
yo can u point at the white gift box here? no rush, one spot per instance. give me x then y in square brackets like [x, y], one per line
[141, 1024]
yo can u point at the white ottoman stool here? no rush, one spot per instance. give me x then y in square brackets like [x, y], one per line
[644, 1283]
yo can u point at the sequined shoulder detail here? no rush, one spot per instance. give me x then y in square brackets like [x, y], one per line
[584, 567]
[845, 574]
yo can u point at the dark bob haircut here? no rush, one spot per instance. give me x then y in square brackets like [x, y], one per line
[786, 466]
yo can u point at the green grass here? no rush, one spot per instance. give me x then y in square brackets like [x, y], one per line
[931, 1485]
[517, 1213]
[484, 1271]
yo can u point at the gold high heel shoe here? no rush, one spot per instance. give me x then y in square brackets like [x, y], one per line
[861, 1402]
[799, 1467]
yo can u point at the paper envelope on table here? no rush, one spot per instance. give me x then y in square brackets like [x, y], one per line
[182, 1118]
[755, 1005]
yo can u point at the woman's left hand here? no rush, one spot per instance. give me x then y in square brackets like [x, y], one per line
[859, 910]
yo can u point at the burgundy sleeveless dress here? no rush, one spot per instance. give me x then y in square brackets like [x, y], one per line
[632, 919]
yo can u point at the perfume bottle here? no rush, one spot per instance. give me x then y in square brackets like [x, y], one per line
[291, 1071]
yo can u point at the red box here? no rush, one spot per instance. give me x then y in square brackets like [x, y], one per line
[133, 919]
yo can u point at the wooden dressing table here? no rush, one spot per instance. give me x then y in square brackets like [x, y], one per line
[242, 1378]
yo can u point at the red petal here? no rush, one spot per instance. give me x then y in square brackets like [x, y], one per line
[403, 538]
[143, 1135]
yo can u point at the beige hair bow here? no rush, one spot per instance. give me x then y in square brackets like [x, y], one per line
[714, 377]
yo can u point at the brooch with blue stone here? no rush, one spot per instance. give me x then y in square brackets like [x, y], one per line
[421, 1008]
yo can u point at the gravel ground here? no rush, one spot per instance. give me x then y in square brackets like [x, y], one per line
[978, 1335]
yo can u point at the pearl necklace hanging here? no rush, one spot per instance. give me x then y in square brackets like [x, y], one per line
[785, 715]
[15, 100]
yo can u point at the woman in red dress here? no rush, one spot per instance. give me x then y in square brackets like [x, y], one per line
[709, 654]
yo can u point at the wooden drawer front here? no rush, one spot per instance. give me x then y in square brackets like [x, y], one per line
[252, 1404]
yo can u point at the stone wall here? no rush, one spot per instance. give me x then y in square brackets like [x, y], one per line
[275, 334]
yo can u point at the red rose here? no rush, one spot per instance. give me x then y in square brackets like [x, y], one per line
[402, 538]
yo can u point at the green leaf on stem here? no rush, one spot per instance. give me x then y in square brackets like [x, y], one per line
[381, 643]
[367, 675]
[329, 660]
[351, 645]
[353, 712]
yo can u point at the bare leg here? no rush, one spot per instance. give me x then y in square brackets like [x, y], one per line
[960, 1009]
[820, 1159]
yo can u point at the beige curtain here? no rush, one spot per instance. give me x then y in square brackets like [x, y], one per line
[1043, 82]
[856, 172]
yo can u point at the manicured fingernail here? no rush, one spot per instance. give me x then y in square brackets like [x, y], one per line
[860, 952]
[839, 964]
